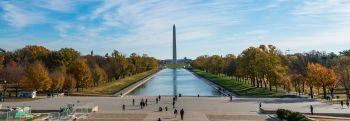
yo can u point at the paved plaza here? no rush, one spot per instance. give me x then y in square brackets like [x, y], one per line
[196, 109]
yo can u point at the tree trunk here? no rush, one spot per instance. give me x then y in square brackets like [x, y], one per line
[324, 91]
[16, 91]
[311, 93]
[347, 93]
[276, 87]
[331, 90]
[303, 87]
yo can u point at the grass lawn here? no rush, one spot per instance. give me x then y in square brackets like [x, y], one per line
[237, 87]
[115, 86]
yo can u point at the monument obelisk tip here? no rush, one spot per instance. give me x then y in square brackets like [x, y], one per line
[174, 45]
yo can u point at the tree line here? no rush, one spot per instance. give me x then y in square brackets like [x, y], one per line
[269, 68]
[38, 68]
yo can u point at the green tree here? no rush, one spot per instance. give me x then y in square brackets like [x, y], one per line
[99, 75]
[345, 53]
[32, 53]
[62, 59]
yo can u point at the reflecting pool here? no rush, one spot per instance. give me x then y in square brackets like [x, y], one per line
[173, 82]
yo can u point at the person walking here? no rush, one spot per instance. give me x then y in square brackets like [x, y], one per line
[146, 102]
[141, 105]
[198, 95]
[182, 112]
[159, 97]
[312, 110]
[133, 102]
[341, 103]
[230, 98]
[157, 100]
[347, 104]
[166, 108]
[175, 113]
[123, 107]
[260, 105]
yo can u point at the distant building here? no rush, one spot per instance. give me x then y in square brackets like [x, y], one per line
[179, 61]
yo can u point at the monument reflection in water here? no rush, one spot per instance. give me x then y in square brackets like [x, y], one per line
[173, 82]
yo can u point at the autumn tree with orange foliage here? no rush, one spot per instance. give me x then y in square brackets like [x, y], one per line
[80, 70]
[320, 76]
[36, 78]
[57, 78]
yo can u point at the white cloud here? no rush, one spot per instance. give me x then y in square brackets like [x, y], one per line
[57, 5]
[338, 10]
[318, 40]
[150, 22]
[19, 17]
[62, 29]
[107, 5]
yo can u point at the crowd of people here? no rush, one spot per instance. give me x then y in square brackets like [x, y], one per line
[143, 104]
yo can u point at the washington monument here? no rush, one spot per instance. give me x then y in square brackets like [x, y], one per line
[174, 45]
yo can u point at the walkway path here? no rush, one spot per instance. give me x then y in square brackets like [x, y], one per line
[201, 109]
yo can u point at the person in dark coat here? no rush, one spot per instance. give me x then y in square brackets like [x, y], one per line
[159, 97]
[146, 102]
[182, 112]
[157, 100]
[260, 105]
[175, 113]
[159, 119]
[347, 104]
[141, 105]
[123, 107]
[160, 109]
[166, 108]
[341, 103]
[133, 101]
[312, 110]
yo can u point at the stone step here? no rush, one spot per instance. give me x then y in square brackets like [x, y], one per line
[115, 117]
[119, 115]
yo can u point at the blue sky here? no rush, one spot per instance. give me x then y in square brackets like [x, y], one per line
[203, 26]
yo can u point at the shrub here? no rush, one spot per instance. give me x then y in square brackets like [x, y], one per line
[296, 116]
[283, 113]
[288, 115]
